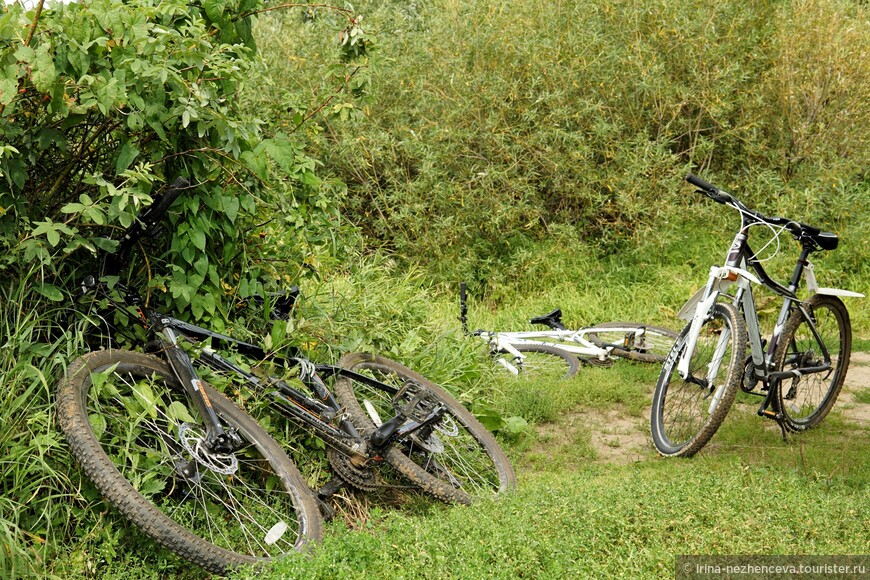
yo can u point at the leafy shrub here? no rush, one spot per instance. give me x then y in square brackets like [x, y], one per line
[105, 102]
[498, 124]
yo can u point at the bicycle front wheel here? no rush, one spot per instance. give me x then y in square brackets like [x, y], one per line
[806, 398]
[541, 362]
[634, 340]
[687, 412]
[141, 442]
[457, 461]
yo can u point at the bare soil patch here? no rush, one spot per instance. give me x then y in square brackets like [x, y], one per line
[857, 381]
[613, 435]
[617, 437]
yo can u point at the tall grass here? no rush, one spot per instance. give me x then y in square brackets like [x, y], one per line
[498, 124]
[35, 509]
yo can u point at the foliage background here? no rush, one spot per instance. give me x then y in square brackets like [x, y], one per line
[499, 127]
[536, 150]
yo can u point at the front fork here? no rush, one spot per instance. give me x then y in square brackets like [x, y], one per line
[718, 281]
[218, 439]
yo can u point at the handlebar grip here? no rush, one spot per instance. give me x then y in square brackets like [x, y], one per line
[153, 213]
[700, 183]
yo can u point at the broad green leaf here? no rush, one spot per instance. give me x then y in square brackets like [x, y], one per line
[231, 208]
[150, 486]
[126, 155]
[198, 238]
[146, 397]
[490, 419]
[201, 265]
[214, 9]
[8, 90]
[98, 424]
[42, 71]
[515, 425]
[51, 292]
[178, 412]
[25, 54]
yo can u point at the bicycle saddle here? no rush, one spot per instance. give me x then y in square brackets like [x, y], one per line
[553, 319]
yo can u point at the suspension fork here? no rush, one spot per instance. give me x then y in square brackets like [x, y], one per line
[217, 438]
[702, 310]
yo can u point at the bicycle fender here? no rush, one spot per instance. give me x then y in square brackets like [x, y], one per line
[742, 272]
[813, 286]
[687, 312]
[839, 292]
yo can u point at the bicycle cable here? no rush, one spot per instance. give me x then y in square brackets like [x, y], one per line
[756, 221]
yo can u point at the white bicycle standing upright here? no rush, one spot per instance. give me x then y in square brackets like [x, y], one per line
[798, 372]
[559, 352]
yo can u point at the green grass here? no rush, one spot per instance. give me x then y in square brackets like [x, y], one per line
[592, 501]
[631, 522]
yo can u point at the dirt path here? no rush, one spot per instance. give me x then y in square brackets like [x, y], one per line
[857, 381]
[617, 437]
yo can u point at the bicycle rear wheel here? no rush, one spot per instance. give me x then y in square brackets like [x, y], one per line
[140, 441]
[541, 361]
[634, 340]
[685, 412]
[458, 461]
[806, 399]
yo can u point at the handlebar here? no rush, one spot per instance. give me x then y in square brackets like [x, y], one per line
[700, 183]
[143, 224]
[723, 197]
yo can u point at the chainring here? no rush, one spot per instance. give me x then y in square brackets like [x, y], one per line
[360, 478]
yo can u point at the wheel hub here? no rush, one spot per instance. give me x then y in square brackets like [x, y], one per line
[193, 440]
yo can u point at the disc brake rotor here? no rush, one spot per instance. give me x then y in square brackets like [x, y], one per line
[191, 438]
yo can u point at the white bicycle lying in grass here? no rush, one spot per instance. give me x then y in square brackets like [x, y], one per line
[559, 352]
[798, 372]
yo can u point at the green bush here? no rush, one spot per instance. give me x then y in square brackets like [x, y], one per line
[498, 124]
[108, 101]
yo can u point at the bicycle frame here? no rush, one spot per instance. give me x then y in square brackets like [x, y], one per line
[316, 413]
[558, 337]
[563, 339]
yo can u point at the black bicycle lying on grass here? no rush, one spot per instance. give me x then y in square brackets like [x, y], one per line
[201, 475]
